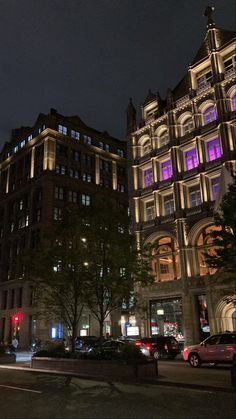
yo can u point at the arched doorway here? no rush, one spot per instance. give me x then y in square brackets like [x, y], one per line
[226, 314]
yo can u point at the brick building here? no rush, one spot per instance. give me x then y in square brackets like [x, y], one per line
[59, 161]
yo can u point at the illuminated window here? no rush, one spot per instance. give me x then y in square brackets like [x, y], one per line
[213, 149]
[148, 177]
[233, 102]
[57, 214]
[165, 265]
[169, 204]
[59, 193]
[72, 196]
[62, 129]
[120, 152]
[120, 187]
[150, 210]
[75, 134]
[215, 183]
[166, 170]
[230, 63]
[86, 177]
[203, 80]
[191, 159]
[209, 114]
[147, 146]
[85, 200]
[164, 138]
[195, 198]
[87, 140]
[204, 245]
[188, 125]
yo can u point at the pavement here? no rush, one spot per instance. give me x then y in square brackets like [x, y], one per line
[170, 373]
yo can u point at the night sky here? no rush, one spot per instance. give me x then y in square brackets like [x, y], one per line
[87, 57]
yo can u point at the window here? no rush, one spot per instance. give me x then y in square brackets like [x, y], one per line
[61, 169]
[233, 102]
[105, 166]
[86, 177]
[188, 125]
[120, 187]
[62, 129]
[164, 138]
[74, 173]
[230, 63]
[100, 144]
[86, 159]
[57, 214]
[209, 114]
[203, 80]
[62, 150]
[213, 149]
[165, 263]
[169, 205]
[191, 159]
[120, 152]
[107, 148]
[215, 183]
[72, 196]
[86, 200]
[104, 182]
[148, 177]
[76, 155]
[59, 193]
[195, 197]
[87, 140]
[150, 211]
[75, 134]
[38, 215]
[147, 146]
[166, 170]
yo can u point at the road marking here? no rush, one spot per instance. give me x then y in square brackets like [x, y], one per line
[20, 388]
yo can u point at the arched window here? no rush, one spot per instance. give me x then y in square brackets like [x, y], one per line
[188, 125]
[233, 102]
[209, 114]
[204, 246]
[166, 260]
[146, 146]
[163, 138]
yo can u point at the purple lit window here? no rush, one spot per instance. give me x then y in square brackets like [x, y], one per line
[209, 115]
[191, 159]
[215, 187]
[213, 149]
[148, 177]
[234, 102]
[166, 170]
[195, 198]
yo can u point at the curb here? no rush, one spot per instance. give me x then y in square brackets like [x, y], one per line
[137, 381]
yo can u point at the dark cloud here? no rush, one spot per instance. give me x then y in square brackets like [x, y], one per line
[87, 57]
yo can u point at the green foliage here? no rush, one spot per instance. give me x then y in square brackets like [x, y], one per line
[224, 241]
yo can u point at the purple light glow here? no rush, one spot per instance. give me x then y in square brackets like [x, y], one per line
[166, 170]
[148, 177]
[234, 102]
[209, 115]
[213, 149]
[191, 159]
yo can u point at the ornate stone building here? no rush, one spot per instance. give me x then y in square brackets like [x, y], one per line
[180, 158]
[60, 161]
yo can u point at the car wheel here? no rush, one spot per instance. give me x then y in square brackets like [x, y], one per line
[156, 355]
[194, 360]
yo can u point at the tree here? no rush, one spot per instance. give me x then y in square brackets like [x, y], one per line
[89, 258]
[114, 263]
[57, 271]
[224, 240]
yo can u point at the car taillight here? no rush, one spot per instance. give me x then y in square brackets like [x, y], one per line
[148, 347]
[137, 343]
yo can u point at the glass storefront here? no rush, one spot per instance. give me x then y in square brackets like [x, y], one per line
[166, 318]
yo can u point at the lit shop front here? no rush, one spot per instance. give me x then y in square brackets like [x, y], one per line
[166, 318]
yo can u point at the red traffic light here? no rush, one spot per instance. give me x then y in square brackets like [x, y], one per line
[16, 317]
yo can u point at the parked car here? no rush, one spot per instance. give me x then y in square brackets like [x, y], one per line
[83, 343]
[217, 349]
[108, 349]
[160, 346]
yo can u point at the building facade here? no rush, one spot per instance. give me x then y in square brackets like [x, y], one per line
[58, 162]
[181, 157]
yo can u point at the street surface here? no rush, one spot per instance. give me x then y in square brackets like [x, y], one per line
[25, 394]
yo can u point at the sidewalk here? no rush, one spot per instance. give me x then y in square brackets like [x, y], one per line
[181, 375]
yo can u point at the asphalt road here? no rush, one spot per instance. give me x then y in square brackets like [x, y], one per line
[25, 394]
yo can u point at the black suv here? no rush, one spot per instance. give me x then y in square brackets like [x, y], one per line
[161, 346]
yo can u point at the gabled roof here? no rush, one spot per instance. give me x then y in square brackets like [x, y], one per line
[223, 37]
[149, 98]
